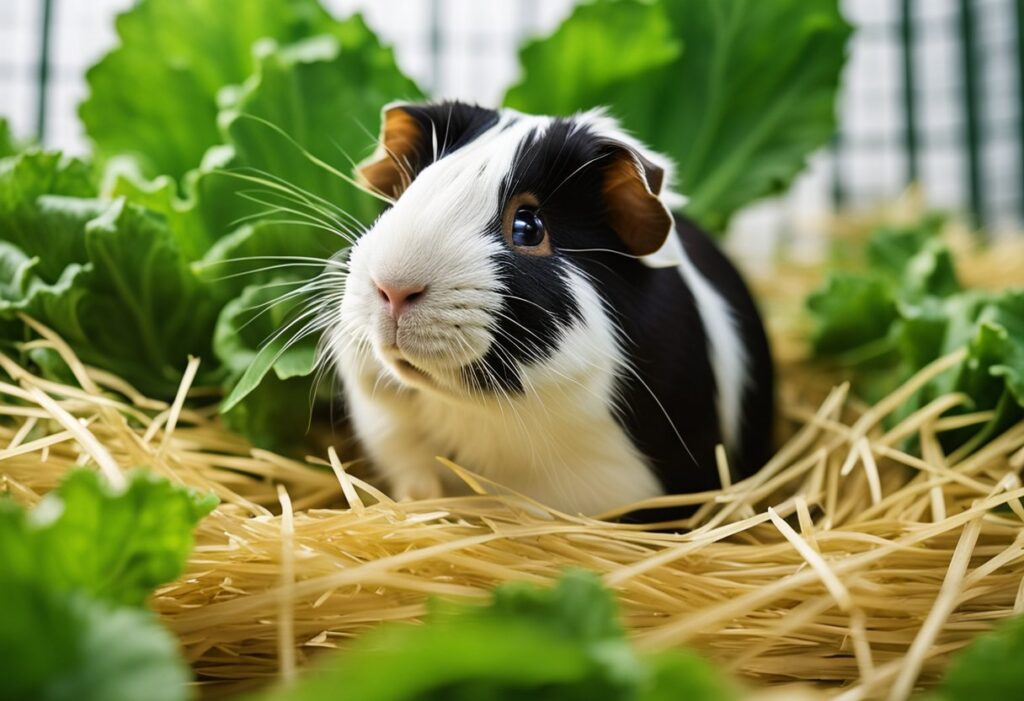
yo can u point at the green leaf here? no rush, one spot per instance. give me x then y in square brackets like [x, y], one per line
[7, 147]
[69, 647]
[554, 644]
[74, 567]
[274, 414]
[680, 674]
[109, 278]
[16, 271]
[989, 668]
[315, 99]
[255, 334]
[272, 394]
[600, 45]
[850, 312]
[182, 54]
[1005, 318]
[43, 208]
[115, 546]
[325, 94]
[909, 309]
[322, 98]
[749, 97]
[890, 248]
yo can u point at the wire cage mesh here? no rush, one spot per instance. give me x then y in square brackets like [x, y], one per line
[932, 94]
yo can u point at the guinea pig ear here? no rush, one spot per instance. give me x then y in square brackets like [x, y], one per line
[393, 165]
[630, 191]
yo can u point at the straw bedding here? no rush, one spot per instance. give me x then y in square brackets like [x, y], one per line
[846, 562]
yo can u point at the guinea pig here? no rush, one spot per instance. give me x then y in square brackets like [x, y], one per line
[528, 307]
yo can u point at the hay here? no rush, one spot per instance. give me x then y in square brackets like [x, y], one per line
[847, 561]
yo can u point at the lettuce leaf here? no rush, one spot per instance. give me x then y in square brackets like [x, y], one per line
[116, 546]
[70, 647]
[155, 95]
[906, 310]
[271, 379]
[75, 569]
[989, 668]
[315, 99]
[530, 643]
[107, 275]
[739, 108]
[44, 206]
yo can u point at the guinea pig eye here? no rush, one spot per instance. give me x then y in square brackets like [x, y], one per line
[527, 228]
[523, 227]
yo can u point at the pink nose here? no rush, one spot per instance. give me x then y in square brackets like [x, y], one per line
[399, 297]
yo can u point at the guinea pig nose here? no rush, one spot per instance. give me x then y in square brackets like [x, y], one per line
[399, 297]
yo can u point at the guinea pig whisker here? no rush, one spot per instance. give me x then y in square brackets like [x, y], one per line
[309, 287]
[289, 295]
[283, 195]
[405, 175]
[276, 186]
[535, 152]
[332, 271]
[530, 302]
[500, 393]
[305, 259]
[333, 231]
[331, 225]
[272, 205]
[534, 356]
[315, 284]
[267, 269]
[571, 175]
[320, 163]
[273, 184]
[624, 254]
[405, 169]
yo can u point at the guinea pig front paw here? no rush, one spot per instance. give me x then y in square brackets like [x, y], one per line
[416, 486]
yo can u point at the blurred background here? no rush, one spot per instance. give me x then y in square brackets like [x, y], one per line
[933, 93]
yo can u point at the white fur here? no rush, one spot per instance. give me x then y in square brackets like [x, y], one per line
[726, 351]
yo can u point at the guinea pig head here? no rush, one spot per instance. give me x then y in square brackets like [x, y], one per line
[477, 271]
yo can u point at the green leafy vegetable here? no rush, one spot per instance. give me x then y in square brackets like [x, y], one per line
[908, 309]
[69, 647]
[268, 203]
[989, 669]
[115, 546]
[529, 643]
[74, 569]
[739, 107]
[183, 54]
[272, 380]
[108, 276]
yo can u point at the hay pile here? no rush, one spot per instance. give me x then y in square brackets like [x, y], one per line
[846, 561]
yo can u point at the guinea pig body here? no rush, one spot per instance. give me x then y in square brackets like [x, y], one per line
[528, 308]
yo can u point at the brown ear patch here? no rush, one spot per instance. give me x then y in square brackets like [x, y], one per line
[390, 170]
[634, 211]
